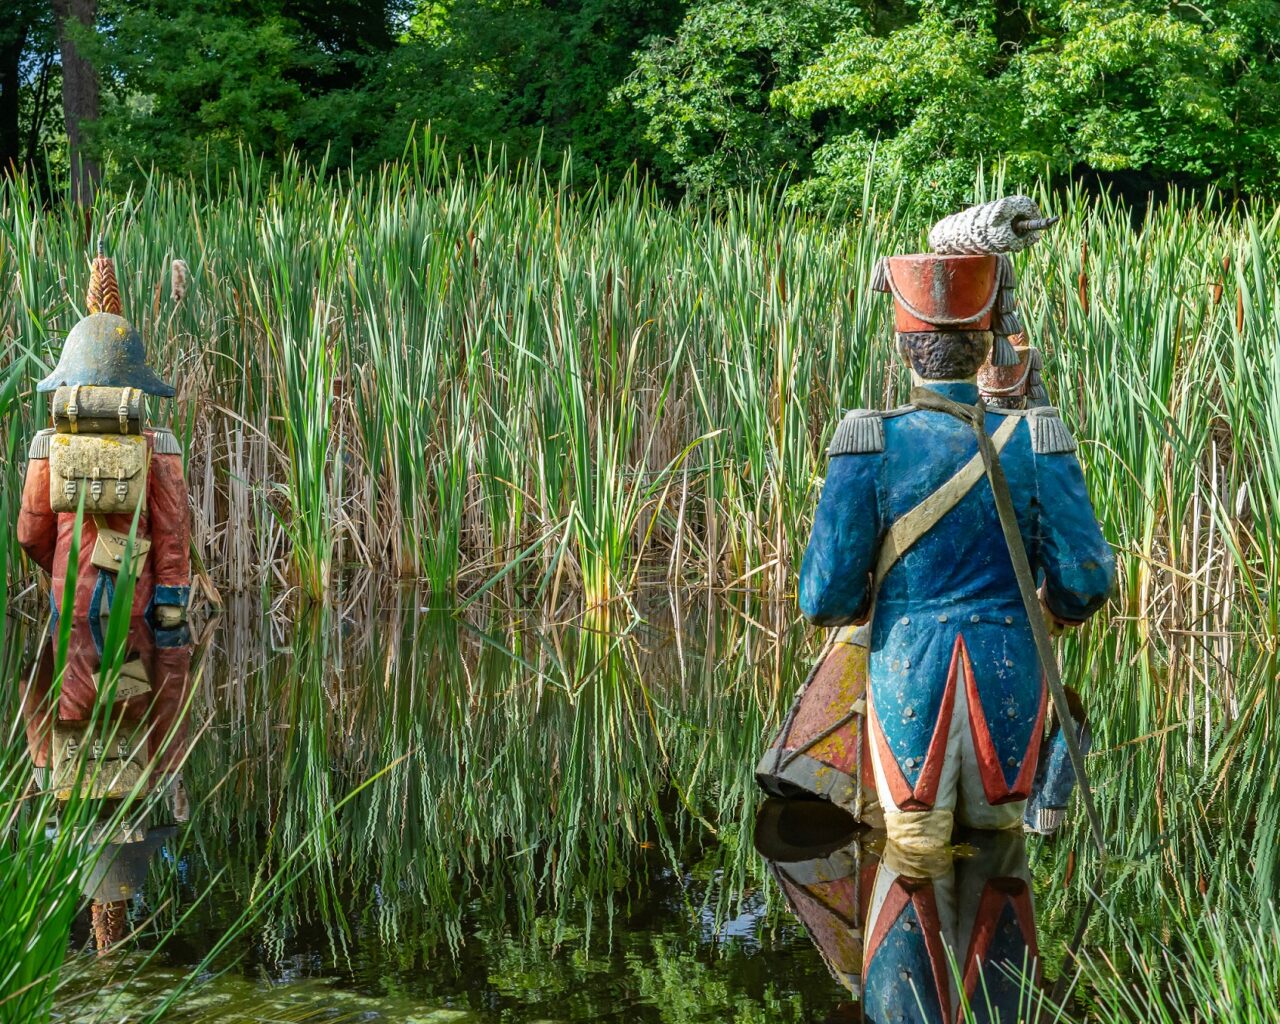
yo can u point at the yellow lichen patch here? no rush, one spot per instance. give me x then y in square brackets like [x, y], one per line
[835, 747]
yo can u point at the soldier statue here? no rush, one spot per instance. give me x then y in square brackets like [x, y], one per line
[100, 457]
[934, 521]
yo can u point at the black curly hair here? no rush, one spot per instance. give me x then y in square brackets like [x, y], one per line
[945, 355]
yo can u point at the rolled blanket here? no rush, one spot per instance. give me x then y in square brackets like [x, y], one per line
[1010, 224]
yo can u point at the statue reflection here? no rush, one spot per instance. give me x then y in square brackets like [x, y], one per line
[938, 937]
[115, 771]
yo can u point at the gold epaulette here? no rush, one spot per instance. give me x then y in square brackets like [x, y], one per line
[40, 444]
[166, 443]
[1049, 435]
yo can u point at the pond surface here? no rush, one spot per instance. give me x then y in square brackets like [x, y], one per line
[383, 812]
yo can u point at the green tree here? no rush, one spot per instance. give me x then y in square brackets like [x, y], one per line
[705, 91]
[1181, 90]
[190, 83]
[916, 93]
[530, 76]
[917, 108]
[1176, 91]
[31, 121]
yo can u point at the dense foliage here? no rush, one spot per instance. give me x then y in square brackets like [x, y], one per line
[1177, 92]
[703, 95]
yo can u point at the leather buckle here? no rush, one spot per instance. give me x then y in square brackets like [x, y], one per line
[123, 411]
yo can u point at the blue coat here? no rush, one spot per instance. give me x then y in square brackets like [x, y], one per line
[949, 612]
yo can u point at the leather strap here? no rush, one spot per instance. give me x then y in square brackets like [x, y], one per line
[975, 416]
[123, 411]
[913, 525]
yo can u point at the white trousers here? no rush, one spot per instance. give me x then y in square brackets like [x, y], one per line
[960, 799]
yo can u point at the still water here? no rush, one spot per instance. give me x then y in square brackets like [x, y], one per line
[383, 812]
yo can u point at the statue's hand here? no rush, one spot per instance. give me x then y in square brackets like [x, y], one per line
[1056, 625]
[170, 616]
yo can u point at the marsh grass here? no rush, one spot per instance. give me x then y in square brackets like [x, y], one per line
[513, 390]
[454, 373]
[437, 373]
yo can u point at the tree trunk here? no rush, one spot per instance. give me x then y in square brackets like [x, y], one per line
[11, 43]
[79, 94]
[39, 111]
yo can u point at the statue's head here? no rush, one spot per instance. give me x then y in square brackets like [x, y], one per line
[945, 355]
[104, 349]
[943, 308]
[954, 308]
[1017, 386]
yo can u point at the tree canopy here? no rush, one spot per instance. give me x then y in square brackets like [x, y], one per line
[702, 95]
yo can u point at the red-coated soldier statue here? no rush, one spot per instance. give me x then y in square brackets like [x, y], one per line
[100, 452]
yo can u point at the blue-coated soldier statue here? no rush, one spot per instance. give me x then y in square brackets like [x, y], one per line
[908, 536]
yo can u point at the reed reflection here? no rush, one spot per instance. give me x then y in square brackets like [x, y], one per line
[945, 936]
[108, 739]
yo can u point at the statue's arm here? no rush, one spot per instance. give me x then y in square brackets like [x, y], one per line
[835, 577]
[1079, 566]
[170, 525]
[37, 522]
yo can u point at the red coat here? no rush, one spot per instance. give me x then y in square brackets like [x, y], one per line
[165, 578]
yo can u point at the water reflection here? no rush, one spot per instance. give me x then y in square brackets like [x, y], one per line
[415, 815]
[936, 937]
[108, 739]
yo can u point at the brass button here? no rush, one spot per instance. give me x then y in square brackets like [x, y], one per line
[973, 618]
[906, 621]
[1012, 713]
[942, 617]
[1011, 762]
[1008, 620]
[906, 662]
[1008, 663]
[909, 712]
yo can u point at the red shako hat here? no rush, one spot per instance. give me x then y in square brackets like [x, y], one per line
[934, 292]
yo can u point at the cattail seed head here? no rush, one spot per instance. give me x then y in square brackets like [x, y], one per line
[180, 278]
[103, 295]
